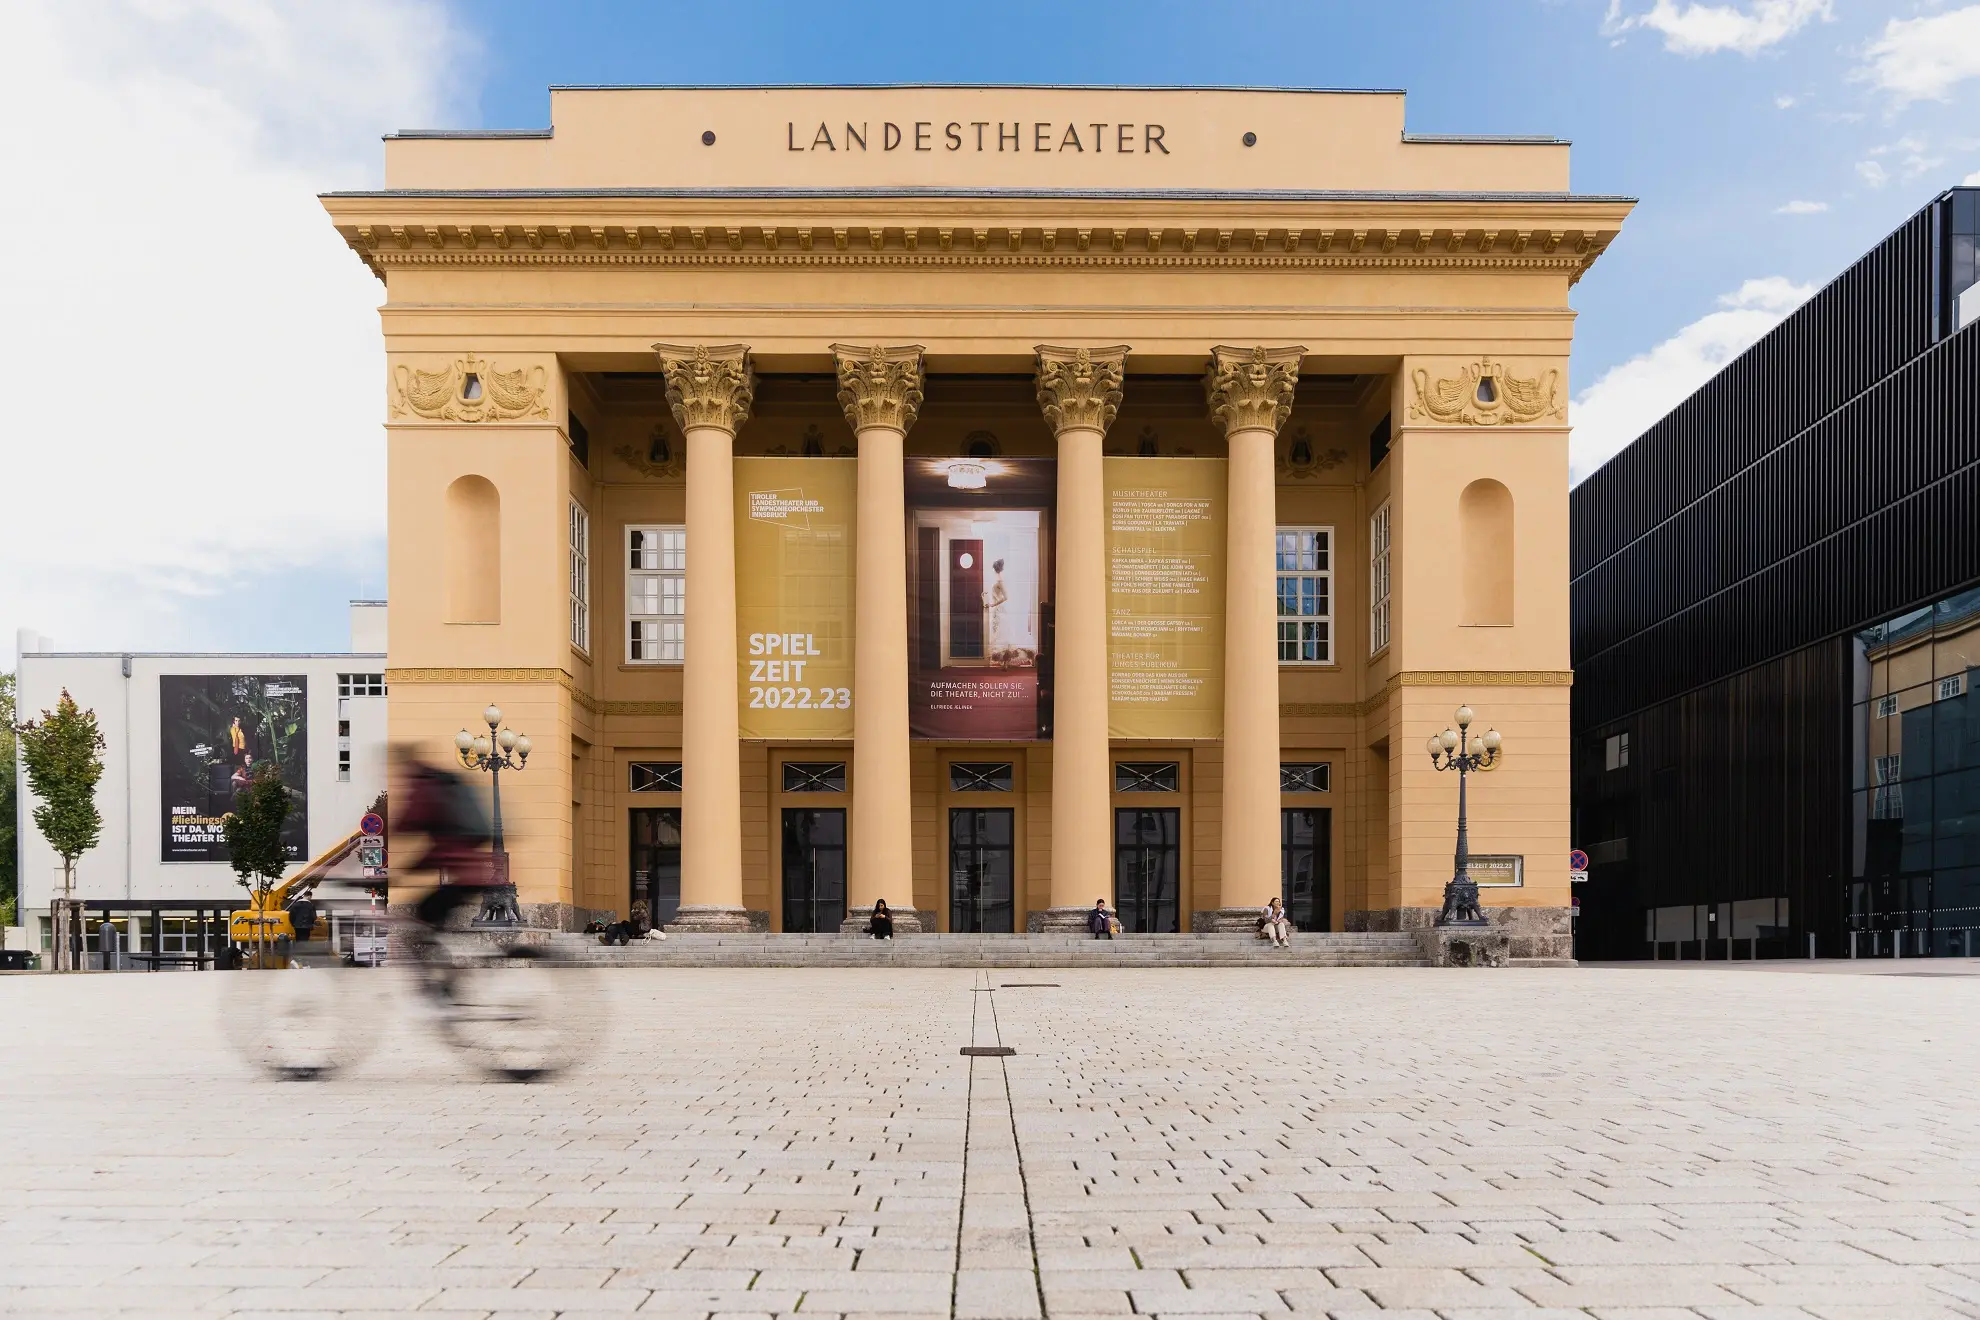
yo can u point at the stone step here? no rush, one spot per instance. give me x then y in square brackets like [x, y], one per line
[758, 949]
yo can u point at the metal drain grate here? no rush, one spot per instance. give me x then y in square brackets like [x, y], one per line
[987, 1051]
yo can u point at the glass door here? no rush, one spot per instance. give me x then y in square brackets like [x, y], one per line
[1148, 869]
[656, 861]
[981, 866]
[1305, 867]
[814, 869]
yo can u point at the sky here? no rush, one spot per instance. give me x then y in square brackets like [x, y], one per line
[193, 450]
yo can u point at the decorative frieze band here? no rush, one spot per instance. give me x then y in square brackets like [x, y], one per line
[470, 389]
[879, 386]
[1487, 393]
[1080, 388]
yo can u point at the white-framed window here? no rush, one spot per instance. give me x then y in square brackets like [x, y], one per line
[1305, 568]
[1889, 801]
[1615, 751]
[1887, 706]
[360, 685]
[656, 595]
[580, 577]
[1951, 687]
[1378, 579]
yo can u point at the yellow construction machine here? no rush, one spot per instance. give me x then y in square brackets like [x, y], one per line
[273, 923]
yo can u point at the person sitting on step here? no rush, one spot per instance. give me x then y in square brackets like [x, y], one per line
[1274, 925]
[881, 925]
[1101, 922]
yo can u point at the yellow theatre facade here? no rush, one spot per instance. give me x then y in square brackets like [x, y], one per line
[987, 499]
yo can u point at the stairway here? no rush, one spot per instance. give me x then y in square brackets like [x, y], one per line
[1049, 949]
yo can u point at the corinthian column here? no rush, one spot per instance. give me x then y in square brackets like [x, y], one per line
[710, 390]
[1250, 391]
[1079, 390]
[880, 389]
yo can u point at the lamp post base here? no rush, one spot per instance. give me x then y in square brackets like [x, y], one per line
[1461, 903]
[499, 905]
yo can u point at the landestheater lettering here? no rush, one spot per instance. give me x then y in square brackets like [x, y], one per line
[892, 495]
[980, 135]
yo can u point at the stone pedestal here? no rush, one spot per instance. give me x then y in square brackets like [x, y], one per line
[907, 921]
[1466, 946]
[1227, 921]
[1059, 919]
[1541, 936]
[709, 918]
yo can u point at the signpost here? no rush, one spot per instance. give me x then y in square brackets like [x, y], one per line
[371, 848]
[1577, 867]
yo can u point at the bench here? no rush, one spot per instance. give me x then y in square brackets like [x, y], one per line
[154, 960]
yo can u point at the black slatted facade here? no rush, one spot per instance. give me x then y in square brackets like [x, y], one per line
[1825, 481]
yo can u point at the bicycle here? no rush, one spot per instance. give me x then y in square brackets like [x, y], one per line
[521, 1011]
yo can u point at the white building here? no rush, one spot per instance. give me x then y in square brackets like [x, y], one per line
[181, 731]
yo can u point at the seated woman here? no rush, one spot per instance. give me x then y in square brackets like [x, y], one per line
[634, 927]
[881, 925]
[1274, 925]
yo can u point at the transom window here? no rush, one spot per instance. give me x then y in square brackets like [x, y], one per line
[656, 776]
[1378, 580]
[1887, 706]
[656, 595]
[814, 776]
[1305, 776]
[1306, 595]
[979, 776]
[580, 577]
[1951, 687]
[1147, 777]
[360, 685]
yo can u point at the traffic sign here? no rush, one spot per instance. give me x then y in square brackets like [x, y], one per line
[373, 823]
[1578, 861]
[1577, 877]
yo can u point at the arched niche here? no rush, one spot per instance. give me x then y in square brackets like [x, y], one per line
[1485, 522]
[473, 551]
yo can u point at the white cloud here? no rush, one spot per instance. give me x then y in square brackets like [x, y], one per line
[1872, 173]
[1971, 181]
[1784, 102]
[1799, 207]
[1702, 29]
[195, 353]
[1923, 59]
[1629, 398]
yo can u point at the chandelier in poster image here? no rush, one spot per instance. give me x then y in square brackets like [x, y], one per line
[776, 675]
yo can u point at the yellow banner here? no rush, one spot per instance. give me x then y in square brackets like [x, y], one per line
[794, 595]
[1165, 597]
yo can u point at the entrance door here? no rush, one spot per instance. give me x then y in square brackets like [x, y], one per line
[656, 861]
[966, 600]
[1148, 868]
[980, 870]
[1306, 866]
[814, 869]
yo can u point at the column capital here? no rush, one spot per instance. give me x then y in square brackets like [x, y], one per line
[1251, 389]
[879, 386]
[1080, 388]
[708, 385]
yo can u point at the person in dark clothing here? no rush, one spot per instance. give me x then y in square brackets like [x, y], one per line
[1100, 921]
[442, 807]
[881, 926]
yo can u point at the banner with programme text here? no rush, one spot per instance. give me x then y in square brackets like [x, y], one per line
[794, 595]
[1165, 597]
[215, 731]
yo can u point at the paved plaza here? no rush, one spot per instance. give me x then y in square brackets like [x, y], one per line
[1646, 1143]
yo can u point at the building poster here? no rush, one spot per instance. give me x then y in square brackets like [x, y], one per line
[794, 595]
[214, 731]
[979, 597]
[1165, 597]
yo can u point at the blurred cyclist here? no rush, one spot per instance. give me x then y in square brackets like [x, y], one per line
[443, 808]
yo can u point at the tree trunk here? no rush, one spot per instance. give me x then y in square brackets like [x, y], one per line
[66, 920]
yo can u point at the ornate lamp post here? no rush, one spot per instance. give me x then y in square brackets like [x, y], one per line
[495, 751]
[1460, 750]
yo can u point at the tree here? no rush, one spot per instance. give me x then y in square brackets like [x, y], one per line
[62, 751]
[254, 842]
[10, 872]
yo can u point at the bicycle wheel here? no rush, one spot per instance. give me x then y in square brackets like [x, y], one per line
[301, 1024]
[522, 1016]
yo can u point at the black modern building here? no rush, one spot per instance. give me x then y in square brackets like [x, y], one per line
[1776, 633]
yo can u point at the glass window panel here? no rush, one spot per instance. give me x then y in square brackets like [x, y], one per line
[814, 776]
[656, 776]
[1305, 776]
[1147, 777]
[980, 777]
